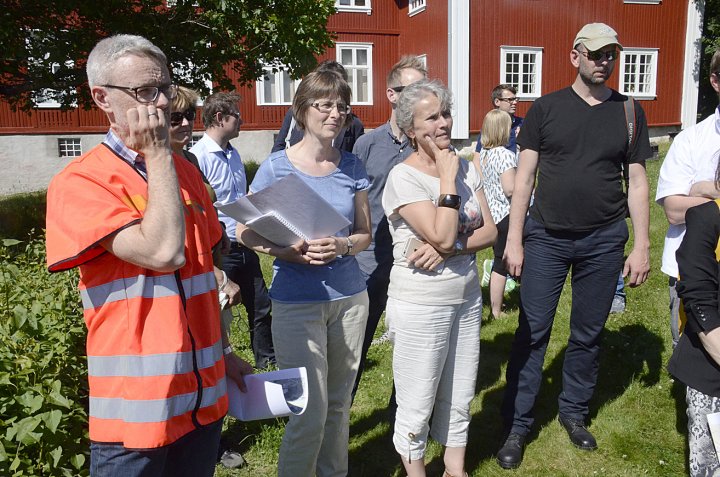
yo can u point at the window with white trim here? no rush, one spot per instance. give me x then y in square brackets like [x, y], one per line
[638, 72]
[521, 66]
[193, 140]
[416, 6]
[69, 147]
[276, 88]
[357, 60]
[359, 6]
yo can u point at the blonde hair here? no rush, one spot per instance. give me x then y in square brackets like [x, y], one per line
[186, 98]
[495, 129]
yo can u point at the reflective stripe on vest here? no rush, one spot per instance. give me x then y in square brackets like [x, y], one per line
[143, 366]
[154, 410]
[145, 287]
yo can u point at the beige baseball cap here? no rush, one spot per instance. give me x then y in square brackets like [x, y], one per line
[595, 36]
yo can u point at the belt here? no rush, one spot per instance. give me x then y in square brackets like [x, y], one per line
[236, 246]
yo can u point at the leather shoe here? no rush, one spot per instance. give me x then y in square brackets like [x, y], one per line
[579, 435]
[510, 455]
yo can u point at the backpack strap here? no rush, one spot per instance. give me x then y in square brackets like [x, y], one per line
[630, 121]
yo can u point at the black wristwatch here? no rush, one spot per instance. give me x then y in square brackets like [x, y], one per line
[449, 200]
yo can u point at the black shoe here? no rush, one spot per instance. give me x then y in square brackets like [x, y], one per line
[510, 455]
[579, 435]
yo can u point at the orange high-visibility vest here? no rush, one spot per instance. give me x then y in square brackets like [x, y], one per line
[155, 361]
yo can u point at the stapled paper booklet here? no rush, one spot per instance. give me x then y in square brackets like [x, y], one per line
[274, 394]
[286, 211]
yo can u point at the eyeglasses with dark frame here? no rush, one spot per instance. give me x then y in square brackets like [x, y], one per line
[176, 118]
[397, 89]
[598, 55]
[234, 114]
[326, 107]
[147, 94]
[514, 99]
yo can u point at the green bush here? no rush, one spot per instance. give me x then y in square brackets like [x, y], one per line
[43, 383]
[21, 213]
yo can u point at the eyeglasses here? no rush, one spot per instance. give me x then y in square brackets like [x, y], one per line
[398, 89]
[326, 107]
[147, 94]
[509, 100]
[234, 114]
[599, 55]
[176, 119]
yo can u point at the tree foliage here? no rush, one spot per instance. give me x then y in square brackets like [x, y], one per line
[46, 42]
[708, 98]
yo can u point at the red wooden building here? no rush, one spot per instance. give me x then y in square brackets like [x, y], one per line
[471, 45]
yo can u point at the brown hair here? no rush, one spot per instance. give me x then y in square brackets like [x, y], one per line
[319, 85]
[498, 90]
[715, 64]
[221, 102]
[406, 62]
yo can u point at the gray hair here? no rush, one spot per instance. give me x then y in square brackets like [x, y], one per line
[405, 112]
[108, 50]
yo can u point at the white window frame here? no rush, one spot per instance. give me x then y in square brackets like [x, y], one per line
[652, 84]
[260, 88]
[69, 144]
[353, 77]
[522, 50]
[352, 8]
[416, 6]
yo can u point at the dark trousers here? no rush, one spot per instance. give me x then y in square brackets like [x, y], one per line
[193, 455]
[377, 287]
[242, 266]
[595, 259]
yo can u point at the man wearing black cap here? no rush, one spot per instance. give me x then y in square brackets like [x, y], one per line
[576, 139]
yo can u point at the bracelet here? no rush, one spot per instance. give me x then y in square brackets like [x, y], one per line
[224, 282]
[451, 201]
[349, 245]
[228, 350]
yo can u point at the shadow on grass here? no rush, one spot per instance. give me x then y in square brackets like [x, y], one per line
[632, 352]
[376, 457]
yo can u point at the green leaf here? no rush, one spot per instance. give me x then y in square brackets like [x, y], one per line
[30, 401]
[58, 399]
[56, 454]
[77, 461]
[3, 454]
[20, 313]
[52, 419]
[15, 464]
[10, 242]
[25, 427]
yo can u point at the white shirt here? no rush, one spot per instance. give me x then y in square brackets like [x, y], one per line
[693, 157]
[226, 173]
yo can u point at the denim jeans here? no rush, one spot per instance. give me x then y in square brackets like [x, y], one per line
[193, 455]
[242, 266]
[595, 260]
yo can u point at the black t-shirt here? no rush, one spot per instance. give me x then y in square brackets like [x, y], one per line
[581, 151]
[698, 287]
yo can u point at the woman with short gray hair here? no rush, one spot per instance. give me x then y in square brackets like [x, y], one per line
[438, 219]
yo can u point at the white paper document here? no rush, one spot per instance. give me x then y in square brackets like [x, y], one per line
[274, 394]
[286, 211]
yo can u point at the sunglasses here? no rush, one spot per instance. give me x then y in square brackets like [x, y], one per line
[398, 89]
[599, 55]
[176, 119]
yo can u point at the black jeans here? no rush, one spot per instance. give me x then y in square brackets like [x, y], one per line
[595, 259]
[242, 266]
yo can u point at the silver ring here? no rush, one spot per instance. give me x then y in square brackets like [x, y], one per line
[152, 114]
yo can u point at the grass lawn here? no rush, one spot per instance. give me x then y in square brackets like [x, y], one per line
[637, 413]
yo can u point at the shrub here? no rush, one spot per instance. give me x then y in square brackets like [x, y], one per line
[43, 383]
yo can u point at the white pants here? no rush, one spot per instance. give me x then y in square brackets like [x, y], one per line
[327, 339]
[435, 362]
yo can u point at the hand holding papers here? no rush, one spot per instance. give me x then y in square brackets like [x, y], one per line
[274, 394]
[285, 212]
